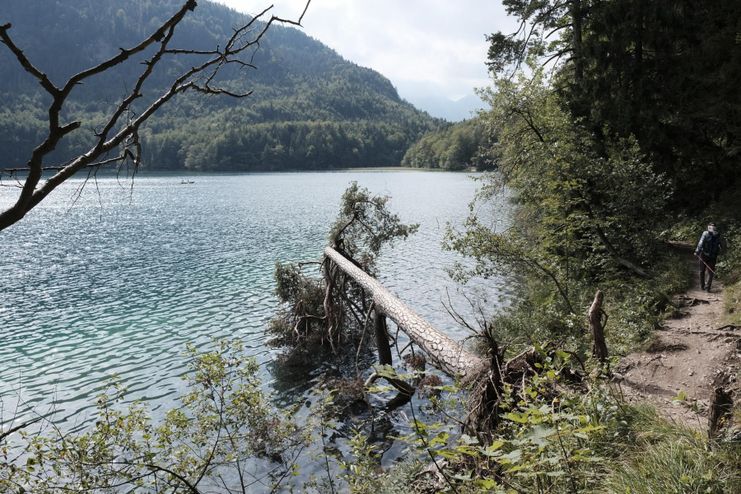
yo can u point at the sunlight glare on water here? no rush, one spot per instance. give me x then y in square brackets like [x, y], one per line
[116, 284]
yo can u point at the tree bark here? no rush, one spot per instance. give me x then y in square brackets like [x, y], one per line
[444, 353]
[599, 347]
[382, 338]
[576, 41]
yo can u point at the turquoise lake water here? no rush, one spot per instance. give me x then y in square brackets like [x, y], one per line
[117, 282]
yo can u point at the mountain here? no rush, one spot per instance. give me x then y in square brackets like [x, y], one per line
[310, 109]
[453, 110]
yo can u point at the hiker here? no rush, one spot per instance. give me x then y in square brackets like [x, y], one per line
[707, 252]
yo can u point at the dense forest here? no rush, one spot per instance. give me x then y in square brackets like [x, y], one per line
[618, 133]
[455, 147]
[310, 108]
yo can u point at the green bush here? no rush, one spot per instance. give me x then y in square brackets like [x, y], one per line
[221, 433]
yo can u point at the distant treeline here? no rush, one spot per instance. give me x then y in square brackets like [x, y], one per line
[310, 108]
[273, 146]
[455, 147]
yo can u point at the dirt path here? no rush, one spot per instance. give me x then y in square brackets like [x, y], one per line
[689, 357]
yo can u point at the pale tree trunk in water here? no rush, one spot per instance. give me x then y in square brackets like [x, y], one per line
[443, 352]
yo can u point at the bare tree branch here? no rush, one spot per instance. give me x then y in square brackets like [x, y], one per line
[115, 133]
[18, 427]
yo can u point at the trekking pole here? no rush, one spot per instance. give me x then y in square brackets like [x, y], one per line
[706, 264]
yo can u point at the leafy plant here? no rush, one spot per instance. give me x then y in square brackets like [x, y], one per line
[224, 433]
[318, 309]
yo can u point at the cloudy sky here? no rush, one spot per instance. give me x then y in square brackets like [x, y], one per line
[432, 50]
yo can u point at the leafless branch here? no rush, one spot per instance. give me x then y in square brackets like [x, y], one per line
[19, 427]
[115, 133]
[97, 164]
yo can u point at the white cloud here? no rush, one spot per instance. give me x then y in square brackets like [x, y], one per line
[433, 44]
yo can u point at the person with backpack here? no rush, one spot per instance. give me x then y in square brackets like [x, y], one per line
[707, 252]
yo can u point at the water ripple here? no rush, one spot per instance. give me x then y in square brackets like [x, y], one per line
[95, 291]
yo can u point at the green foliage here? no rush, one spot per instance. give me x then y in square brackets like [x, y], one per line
[365, 225]
[362, 472]
[544, 18]
[729, 272]
[635, 306]
[222, 431]
[311, 109]
[289, 282]
[666, 458]
[729, 265]
[581, 200]
[318, 309]
[634, 130]
[664, 73]
[302, 299]
[456, 147]
[554, 437]
[584, 213]
[550, 439]
[732, 304]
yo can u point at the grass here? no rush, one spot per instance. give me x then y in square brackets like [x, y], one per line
[732, 304]
[637, 452]
[662, 458]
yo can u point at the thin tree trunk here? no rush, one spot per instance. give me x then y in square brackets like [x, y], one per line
[599, 347]
[382, 338]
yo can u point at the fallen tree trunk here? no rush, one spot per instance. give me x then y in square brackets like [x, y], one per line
[443, 352]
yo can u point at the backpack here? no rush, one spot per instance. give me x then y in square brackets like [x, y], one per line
[710, 244]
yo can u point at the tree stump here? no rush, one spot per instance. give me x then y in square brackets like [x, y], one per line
[720, 408]
[597, 326]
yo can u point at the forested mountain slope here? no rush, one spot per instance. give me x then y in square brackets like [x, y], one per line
[310, 108]
[455, 147]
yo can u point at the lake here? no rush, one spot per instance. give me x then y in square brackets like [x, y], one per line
[117, 281]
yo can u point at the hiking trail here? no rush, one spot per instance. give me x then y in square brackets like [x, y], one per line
[691, 354]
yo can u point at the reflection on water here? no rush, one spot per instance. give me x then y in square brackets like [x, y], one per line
[118, 283]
